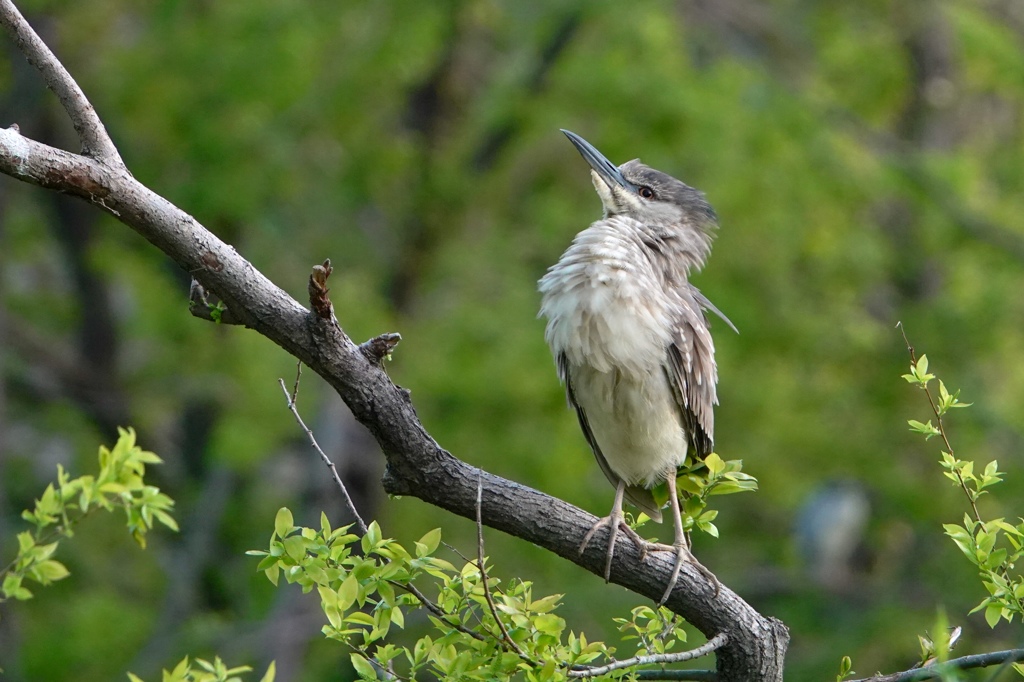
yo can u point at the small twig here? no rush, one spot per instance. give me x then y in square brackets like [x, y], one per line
[949, 447]
[59, 531]
[295, 388]
[96, 143]
[941, 426]
[932, 672]
[713, 644]
[483, 573]
[437, 610]
[455, 550]
[440, 613]
[327, 460]
[666, 625]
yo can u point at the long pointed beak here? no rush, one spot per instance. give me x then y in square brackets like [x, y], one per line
[608, 171]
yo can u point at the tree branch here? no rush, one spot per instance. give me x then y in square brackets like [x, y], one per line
[713, 644]
[416, 465]
[96, 143]
[934, 672]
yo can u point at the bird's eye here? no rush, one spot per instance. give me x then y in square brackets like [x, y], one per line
[645, 192]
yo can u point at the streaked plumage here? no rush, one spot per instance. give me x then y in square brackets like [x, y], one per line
[629, 332]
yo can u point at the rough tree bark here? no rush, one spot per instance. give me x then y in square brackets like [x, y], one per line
[416, 465]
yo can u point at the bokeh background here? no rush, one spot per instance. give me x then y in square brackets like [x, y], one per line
[867, 164]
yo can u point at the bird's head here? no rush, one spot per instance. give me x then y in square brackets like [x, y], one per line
[645, 194]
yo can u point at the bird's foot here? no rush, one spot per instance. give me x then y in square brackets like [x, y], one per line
[682, 553]
[615, 523]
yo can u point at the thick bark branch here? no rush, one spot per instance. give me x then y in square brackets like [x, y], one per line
[416, 464]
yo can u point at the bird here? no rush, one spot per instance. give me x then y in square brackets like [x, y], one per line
[632, 342]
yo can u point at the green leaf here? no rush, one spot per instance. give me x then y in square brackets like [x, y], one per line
[428, 543]
[709, 528]
[166, 519]
[283, 522]
[295, 547]
[11, 584]
[181, 669]
[549, 623]
[359, 618]
[927, 429]
[50, 571]
[714, 463]
[546, 604]
[348, 592]
[328, 597]
[996, 559]
[206, 665]
[25, 542]
[273, 573]
[993, 613]
[919, 372]
[372, 538]
[963, 539]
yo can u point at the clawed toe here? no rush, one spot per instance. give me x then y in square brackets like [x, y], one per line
[614, 526]
[615, 523]
[683, 554]
[681, 547]
[601, 523]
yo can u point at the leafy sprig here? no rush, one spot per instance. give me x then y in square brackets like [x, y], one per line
[994, 546]
[118, 484]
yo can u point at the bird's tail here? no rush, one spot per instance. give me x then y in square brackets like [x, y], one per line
[643, 499]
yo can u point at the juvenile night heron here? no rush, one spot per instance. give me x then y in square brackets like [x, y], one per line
[632, 341]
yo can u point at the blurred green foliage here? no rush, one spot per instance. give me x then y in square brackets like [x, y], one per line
[865, 159]
[118, 484]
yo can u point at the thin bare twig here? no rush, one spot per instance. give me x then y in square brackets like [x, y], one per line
[713, 644]
[316, 446]
[483, 573]
[436, 610]
[96, 143]
[457, 552]
[295, 387]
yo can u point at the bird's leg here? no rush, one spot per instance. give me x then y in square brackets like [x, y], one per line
[615, 521]
[681, 546]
